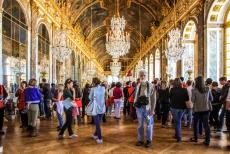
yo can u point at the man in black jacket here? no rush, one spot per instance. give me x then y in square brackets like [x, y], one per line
[46, 91]
[126, 97]
[223, 96]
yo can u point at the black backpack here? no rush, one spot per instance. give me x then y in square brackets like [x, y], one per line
[142, 100]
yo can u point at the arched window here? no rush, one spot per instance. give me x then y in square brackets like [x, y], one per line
[227, 46]
[218, 58]
[151, 68]
[43, 51]
[14, 42]
[147, 67]
[43, 43]
[189, 43]
[157, 64]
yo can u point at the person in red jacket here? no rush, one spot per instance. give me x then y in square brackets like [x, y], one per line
[131, 92]
[117, 95]
[22, 104]
[3, 96]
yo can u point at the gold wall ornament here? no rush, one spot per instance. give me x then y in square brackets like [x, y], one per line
[54, 15]
[154, 39]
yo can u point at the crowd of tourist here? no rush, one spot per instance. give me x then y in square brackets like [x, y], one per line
[198, 105]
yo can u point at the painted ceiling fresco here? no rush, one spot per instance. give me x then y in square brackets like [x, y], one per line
[93, 17]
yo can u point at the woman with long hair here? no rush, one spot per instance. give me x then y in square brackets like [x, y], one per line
[97, 94]
[69, 104]
[201, 98]
[178, 97]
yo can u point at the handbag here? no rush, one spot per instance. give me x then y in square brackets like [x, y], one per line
[78, 102]
[189, 104]
[110, 101]
[91, 107]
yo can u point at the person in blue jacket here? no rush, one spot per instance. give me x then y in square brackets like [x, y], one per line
[33, 98]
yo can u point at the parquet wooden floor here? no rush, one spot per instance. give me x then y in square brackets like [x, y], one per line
[119, 138]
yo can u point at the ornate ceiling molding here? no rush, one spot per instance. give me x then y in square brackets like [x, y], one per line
[183, 8]
[53, 13]
[147, 8]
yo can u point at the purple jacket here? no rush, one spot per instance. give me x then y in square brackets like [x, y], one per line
[32, 95]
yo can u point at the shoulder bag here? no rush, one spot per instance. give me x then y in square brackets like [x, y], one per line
[91, 107]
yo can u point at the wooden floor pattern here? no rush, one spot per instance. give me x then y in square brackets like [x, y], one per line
[119, 138]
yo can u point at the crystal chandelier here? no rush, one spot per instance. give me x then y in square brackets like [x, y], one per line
[61, 51]
[117, 40]
[175, 48]
[115, 67]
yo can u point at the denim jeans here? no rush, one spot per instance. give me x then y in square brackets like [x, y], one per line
[204, 118]
[117, 103]
[188, 117]
[142, 114]
[68, 122]
[41, 107]
[222, 115]
[109, 110]
[97, 122]
[60, 119]
[177, 117]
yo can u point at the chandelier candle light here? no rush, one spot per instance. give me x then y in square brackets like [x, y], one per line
[175, 49]
[61, 51]
[117, 40]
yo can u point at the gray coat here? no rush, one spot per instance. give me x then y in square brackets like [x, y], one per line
[201, 101]
[152, 95]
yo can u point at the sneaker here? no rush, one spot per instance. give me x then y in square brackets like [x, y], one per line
[94, 137]
[139, 143]
[148, 144]
[73, 136]
[60, 137]
[99, 141]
